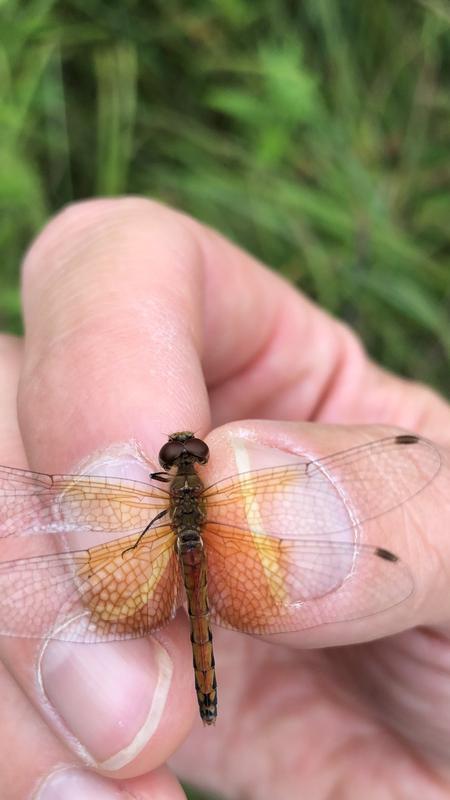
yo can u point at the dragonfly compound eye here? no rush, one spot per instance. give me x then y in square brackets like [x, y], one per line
[169, 453]
[198, 449]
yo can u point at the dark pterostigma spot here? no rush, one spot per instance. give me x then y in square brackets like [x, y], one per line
[386, 554]
[406, 438]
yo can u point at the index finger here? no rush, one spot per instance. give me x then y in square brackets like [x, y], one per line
[145, 306]
[111, 355]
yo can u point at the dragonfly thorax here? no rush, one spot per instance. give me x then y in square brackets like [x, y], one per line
[187, 509]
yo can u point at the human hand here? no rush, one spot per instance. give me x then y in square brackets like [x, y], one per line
[140, 322]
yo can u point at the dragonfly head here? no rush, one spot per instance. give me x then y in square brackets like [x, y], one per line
[183, 448]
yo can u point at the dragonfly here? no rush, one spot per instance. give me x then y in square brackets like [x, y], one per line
[278, 549]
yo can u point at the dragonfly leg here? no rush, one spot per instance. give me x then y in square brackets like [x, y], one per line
[147, 527]
[159, 476]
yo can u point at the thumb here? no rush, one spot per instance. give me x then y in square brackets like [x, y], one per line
[339, 536]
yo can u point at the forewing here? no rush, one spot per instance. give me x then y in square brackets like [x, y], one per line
[112, 591]
[35, 503]
[318, 499]
[263, 585]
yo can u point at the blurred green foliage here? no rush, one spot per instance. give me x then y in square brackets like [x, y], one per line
[316, 134]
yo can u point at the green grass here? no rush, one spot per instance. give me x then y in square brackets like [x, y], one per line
[313, 133]
[195, 794]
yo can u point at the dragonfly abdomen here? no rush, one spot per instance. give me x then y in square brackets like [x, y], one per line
[193, 560]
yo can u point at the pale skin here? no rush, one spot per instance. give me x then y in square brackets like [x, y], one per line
[140, 322]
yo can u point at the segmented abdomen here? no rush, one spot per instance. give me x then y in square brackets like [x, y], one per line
[193, 562]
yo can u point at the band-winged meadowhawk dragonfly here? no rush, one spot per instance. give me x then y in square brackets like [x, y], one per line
[262, 552]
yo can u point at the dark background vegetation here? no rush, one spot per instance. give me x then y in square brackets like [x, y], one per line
[315, 133]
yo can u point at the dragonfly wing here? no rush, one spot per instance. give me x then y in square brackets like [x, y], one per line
[260, 584]
[36, 503]
[318, 499]
[105, 593]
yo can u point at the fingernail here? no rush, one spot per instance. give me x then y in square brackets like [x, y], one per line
[110, 697]
[301, 504]
[74, 784]
[252, 453]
